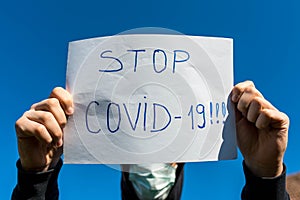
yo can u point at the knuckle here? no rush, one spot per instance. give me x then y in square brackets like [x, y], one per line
[53, 102]
[33, 106]
[244, 85]
[285, 118]
[56, 90]
[250, 83]
[257, 101]
[250, 89]
[19, 125]
[46, 116]
[26, 113]
[57, 134]
[39, 129]
[22, 123]
[253, 91]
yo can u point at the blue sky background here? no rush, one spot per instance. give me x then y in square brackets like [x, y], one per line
[34, 37]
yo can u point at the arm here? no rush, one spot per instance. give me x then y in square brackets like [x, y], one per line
[262, 132]
[264, 188]
[37, 185]
[40, 138]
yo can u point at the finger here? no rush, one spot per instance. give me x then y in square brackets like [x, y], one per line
[28, 128]
[245, 100]
[273, 119]
[64, 98]
[254, 110]
[239, 89]
[238, 114]
[47, 120]
[52, 105]
[248, 95]
[256, 106]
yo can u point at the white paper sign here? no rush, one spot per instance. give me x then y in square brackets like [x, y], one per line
[150, 98]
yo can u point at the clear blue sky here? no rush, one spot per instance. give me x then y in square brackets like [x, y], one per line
[34, 39]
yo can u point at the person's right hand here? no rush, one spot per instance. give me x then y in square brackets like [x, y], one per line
[40, 131]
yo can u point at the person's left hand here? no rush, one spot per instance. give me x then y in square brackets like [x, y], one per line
[262, 131]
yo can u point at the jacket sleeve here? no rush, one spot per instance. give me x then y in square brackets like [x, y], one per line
[128, 192]
[257, 188]
[37, 185]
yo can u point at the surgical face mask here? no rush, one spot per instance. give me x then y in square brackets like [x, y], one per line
[152, 181]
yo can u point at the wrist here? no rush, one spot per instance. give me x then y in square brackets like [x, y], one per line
[32, 167]
[37, 167]
[39, 163]
[265, 171]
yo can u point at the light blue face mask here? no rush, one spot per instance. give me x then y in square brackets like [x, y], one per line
[152, 181]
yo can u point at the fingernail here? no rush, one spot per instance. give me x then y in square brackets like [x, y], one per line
[234, 97]
[59, 143]
[70, 110]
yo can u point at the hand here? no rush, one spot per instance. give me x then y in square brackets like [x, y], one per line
[262, 131]
[40, 131]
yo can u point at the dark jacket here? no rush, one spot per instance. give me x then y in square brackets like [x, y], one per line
[43, 186]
